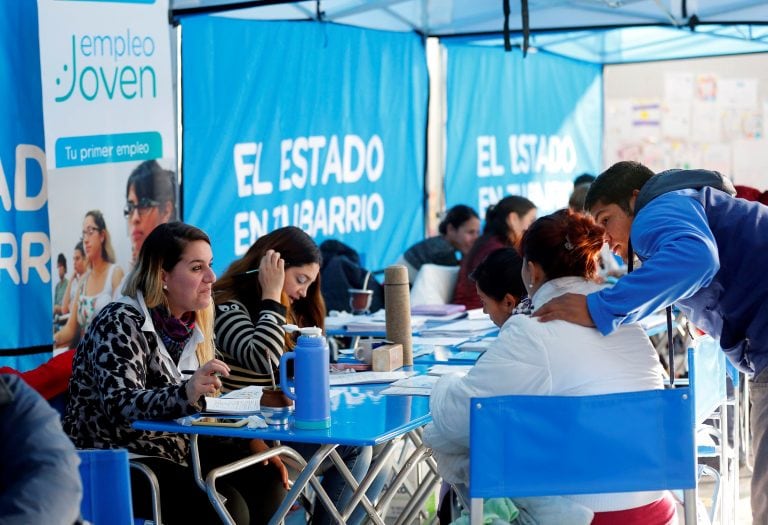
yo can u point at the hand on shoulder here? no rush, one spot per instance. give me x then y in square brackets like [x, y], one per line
[569, 307]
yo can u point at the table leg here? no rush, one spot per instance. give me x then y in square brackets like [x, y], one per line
[306, 476]
[218, 501]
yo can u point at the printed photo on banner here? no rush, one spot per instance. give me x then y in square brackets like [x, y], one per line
[112, 174]
[97, 230]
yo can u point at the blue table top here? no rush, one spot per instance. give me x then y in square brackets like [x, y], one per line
[360, 416]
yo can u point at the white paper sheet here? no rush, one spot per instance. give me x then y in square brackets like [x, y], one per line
[358, 378]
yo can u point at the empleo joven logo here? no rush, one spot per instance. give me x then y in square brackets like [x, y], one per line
[108, 67]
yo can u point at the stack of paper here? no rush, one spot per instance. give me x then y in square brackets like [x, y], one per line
[465, 327]
[439, 310]
[377, 323]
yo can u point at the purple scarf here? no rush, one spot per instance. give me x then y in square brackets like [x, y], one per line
[175, 333]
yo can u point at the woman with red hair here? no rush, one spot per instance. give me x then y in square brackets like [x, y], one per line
[560, 254]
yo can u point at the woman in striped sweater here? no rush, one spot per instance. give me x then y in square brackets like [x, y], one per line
[276, 282]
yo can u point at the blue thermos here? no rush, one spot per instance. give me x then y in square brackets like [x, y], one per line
[310, 379]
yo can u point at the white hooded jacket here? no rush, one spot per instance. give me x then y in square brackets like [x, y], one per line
[534, 358]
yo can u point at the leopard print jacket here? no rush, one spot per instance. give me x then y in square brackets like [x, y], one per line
[120, 374]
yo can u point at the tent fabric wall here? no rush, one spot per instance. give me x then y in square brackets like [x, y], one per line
[324, 131]
[25, 292]
[524, 126]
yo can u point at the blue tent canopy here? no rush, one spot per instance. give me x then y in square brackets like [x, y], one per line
[598, 31]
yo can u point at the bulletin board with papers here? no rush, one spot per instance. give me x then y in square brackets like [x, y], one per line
[706, 113]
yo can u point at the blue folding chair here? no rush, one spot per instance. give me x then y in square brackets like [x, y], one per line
[707, 371]
[522, 446]
[106, 487]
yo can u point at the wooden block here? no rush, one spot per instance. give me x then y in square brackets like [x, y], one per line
[387, 357]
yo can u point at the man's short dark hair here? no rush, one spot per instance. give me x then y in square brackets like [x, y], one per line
[61, 261]
[616, 185]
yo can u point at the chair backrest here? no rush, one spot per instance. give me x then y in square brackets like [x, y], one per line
[553, 445]
[706, 376]
[106, 487]
[434, 284]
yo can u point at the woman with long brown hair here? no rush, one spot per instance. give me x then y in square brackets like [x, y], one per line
[276, 282]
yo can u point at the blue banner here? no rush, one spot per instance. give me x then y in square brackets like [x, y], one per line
[25, 276]
[308, 124]
[519, 126]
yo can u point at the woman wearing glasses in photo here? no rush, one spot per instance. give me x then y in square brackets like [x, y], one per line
[150, 200]
[100, 283]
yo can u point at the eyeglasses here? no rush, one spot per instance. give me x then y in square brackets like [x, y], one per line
[90, 230]
[143, 206]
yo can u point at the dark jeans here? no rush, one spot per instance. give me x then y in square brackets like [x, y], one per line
[758, 394]
[252, 495]
[357, 460]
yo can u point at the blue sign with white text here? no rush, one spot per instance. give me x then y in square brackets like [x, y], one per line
[519, 126]
[306, 124]
[25, 277]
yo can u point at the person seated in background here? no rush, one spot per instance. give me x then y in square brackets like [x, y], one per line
[558, 358]
[341, 270]
[458, 230]
[39, 478]
[499, 284]
[505, 223]
[129, 365]
[584, 178]
[251, 309]
[501, 292]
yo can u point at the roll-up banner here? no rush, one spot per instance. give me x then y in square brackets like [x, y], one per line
[109, 137]
[25, 254]
[307, 124]
[519, 126]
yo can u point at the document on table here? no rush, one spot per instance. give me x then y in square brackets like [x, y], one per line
[439, 341]
[465, 327]
[226, 405]
[441, 370]
[418, 385]
[359, 378]
[477, 346]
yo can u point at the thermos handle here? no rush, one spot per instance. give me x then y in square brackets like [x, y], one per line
[288, 356]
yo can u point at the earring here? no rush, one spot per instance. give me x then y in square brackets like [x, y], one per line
[165, 287]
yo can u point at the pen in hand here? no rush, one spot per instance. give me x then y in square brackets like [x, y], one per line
[192, 372]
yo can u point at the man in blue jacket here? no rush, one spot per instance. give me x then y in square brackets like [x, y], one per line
[39, 477]
[700, 249]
